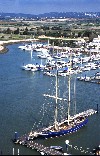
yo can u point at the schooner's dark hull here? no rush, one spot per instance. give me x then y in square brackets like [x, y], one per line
[75, 128]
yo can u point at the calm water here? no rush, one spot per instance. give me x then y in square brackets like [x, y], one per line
[22, 105]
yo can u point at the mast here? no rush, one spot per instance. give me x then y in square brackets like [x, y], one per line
[56, 107]
[53, 48]
[69, 90]
[31, 54]
[81, 66]
[56, 101]
[75, 95]
[48, 43]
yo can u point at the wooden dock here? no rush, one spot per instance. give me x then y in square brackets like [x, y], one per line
[43, 150]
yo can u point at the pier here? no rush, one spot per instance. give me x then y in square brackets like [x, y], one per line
[43, 150]
[40, 148]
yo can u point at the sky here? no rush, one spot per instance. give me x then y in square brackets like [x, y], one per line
[45, 6]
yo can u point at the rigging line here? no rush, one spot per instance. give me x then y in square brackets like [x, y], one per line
[36, 122]
[75, 94]
[45, 111]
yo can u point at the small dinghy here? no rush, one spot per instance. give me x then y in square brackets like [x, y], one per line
[56, 147]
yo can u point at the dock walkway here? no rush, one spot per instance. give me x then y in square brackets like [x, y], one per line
[43, 150]
[40, 148]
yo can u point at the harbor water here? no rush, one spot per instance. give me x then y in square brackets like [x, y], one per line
[22, 105]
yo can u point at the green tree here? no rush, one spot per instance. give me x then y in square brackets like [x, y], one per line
[8, 31]
[80, 34]
[25, 31]
[16, 31]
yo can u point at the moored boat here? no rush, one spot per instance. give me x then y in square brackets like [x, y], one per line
[56, 147]
[29, 67]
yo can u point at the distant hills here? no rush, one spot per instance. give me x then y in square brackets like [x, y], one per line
[51, 15]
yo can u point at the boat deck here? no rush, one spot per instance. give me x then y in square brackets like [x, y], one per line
[87, 113]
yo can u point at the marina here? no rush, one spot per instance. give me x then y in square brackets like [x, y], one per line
[27, 106]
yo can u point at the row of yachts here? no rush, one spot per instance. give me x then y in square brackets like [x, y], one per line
[63, 67]
[93, 78]
[67, 62]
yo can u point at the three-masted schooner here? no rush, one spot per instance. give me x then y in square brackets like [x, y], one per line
[69, 125]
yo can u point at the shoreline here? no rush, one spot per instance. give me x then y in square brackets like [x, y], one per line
[3, 44]
[4, 49]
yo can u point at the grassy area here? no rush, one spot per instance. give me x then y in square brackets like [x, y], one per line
[6, 37]
[69, 29]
